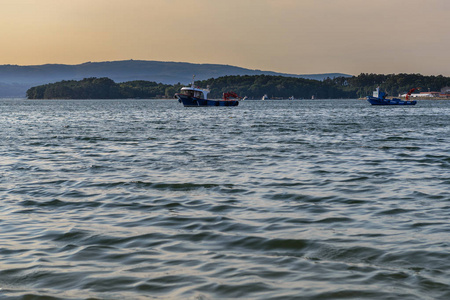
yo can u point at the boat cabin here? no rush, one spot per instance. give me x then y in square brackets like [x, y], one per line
[379, 94]
[195, 92]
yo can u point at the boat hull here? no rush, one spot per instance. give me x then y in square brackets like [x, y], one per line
[189, 101]
[394, 101]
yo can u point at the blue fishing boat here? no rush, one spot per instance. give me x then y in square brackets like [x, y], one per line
[379, 98]
[194, 96]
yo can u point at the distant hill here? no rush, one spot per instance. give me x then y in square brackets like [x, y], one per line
[16, 80]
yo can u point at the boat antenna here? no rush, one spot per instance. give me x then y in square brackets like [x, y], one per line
[193, 80]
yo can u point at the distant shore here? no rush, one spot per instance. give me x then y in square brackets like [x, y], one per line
[254, 86]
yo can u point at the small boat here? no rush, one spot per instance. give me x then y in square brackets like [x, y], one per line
[194, 96]
[265, 97]
[379, 98]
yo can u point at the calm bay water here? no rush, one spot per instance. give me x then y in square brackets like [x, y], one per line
[146, 199]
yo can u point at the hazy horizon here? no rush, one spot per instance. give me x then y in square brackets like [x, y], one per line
[286, 36]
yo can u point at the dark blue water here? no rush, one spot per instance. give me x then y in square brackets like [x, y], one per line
[324, 199]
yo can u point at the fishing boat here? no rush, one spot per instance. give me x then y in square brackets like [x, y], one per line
[194, 96]
[379, 98]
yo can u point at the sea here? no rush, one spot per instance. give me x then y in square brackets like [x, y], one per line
[288, 199]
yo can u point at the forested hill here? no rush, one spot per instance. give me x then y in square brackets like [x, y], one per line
[100, 88]
[251, 86]
[275, 87]
[15, 80]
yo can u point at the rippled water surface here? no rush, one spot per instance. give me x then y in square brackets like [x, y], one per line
[146, 199]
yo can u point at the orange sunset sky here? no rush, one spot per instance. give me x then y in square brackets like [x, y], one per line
[291, 36]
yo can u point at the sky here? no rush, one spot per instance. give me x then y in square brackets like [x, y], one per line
[289, 36]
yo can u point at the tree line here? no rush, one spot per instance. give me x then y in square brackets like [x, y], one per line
[393, 84]
[251, 86]
[98, 88]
